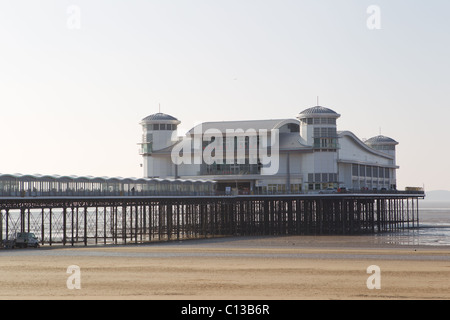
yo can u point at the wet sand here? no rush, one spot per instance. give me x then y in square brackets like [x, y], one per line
[262, 268]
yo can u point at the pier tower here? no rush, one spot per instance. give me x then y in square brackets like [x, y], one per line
[159, 134]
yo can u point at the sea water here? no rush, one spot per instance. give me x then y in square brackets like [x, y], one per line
[434, 227]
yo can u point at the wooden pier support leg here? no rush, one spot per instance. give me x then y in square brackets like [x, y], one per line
[50, 227]
[1, 225]
[139, 210]
[76, 225]
[345, 205]
[96, 225]
[131, 223]
[319, 206]
[22, 220]
[167, 220]
[135, 218]
[28, 220]
[266, 216]
[417, 211]
[407, 212]
[42, 226]
[150, 221]
[378, 201]
[124, 224]
[104, 225]
[64, 238]
[351, 216]
[178, 221]
[144, 216]
[85, 227]
[372, 216]
[71, 226]
[115, 224]
[160, 219]
[290, 218]
[7, 224]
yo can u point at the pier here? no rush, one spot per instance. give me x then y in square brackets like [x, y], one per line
[95, 220]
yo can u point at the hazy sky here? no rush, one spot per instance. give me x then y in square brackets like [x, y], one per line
[76, 77]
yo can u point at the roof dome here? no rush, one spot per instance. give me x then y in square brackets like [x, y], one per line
[381, 140]
[318, 111]
[160, 117]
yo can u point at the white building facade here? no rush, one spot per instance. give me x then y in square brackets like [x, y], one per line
[306, 154]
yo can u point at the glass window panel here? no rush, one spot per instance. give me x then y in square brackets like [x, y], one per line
[362, 171]
[355, 170]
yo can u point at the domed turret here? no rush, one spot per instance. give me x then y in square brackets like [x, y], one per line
[157, 117]
[158, 129]
[159, 132]
[318, 127]
[318, 111]
[382, 143]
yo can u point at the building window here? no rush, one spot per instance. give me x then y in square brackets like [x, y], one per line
[316, 132]
[362, 171]
[375, 172]
[148, 138]
[147, 148]
[355, 170]
[292, 127]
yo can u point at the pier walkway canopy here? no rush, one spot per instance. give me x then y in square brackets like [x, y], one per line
[19, 185]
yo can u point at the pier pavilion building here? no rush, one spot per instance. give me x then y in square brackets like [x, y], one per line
[307, 154]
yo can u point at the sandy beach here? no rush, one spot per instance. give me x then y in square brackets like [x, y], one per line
[261, 268]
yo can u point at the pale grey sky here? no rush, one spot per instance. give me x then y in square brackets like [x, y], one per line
[71, 98]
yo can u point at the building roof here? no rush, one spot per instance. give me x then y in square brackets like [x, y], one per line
[318, 110]
[245, 125]
[364, 145]
[381, 140]
[39, 177]
[292, 142]
[160, 117]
